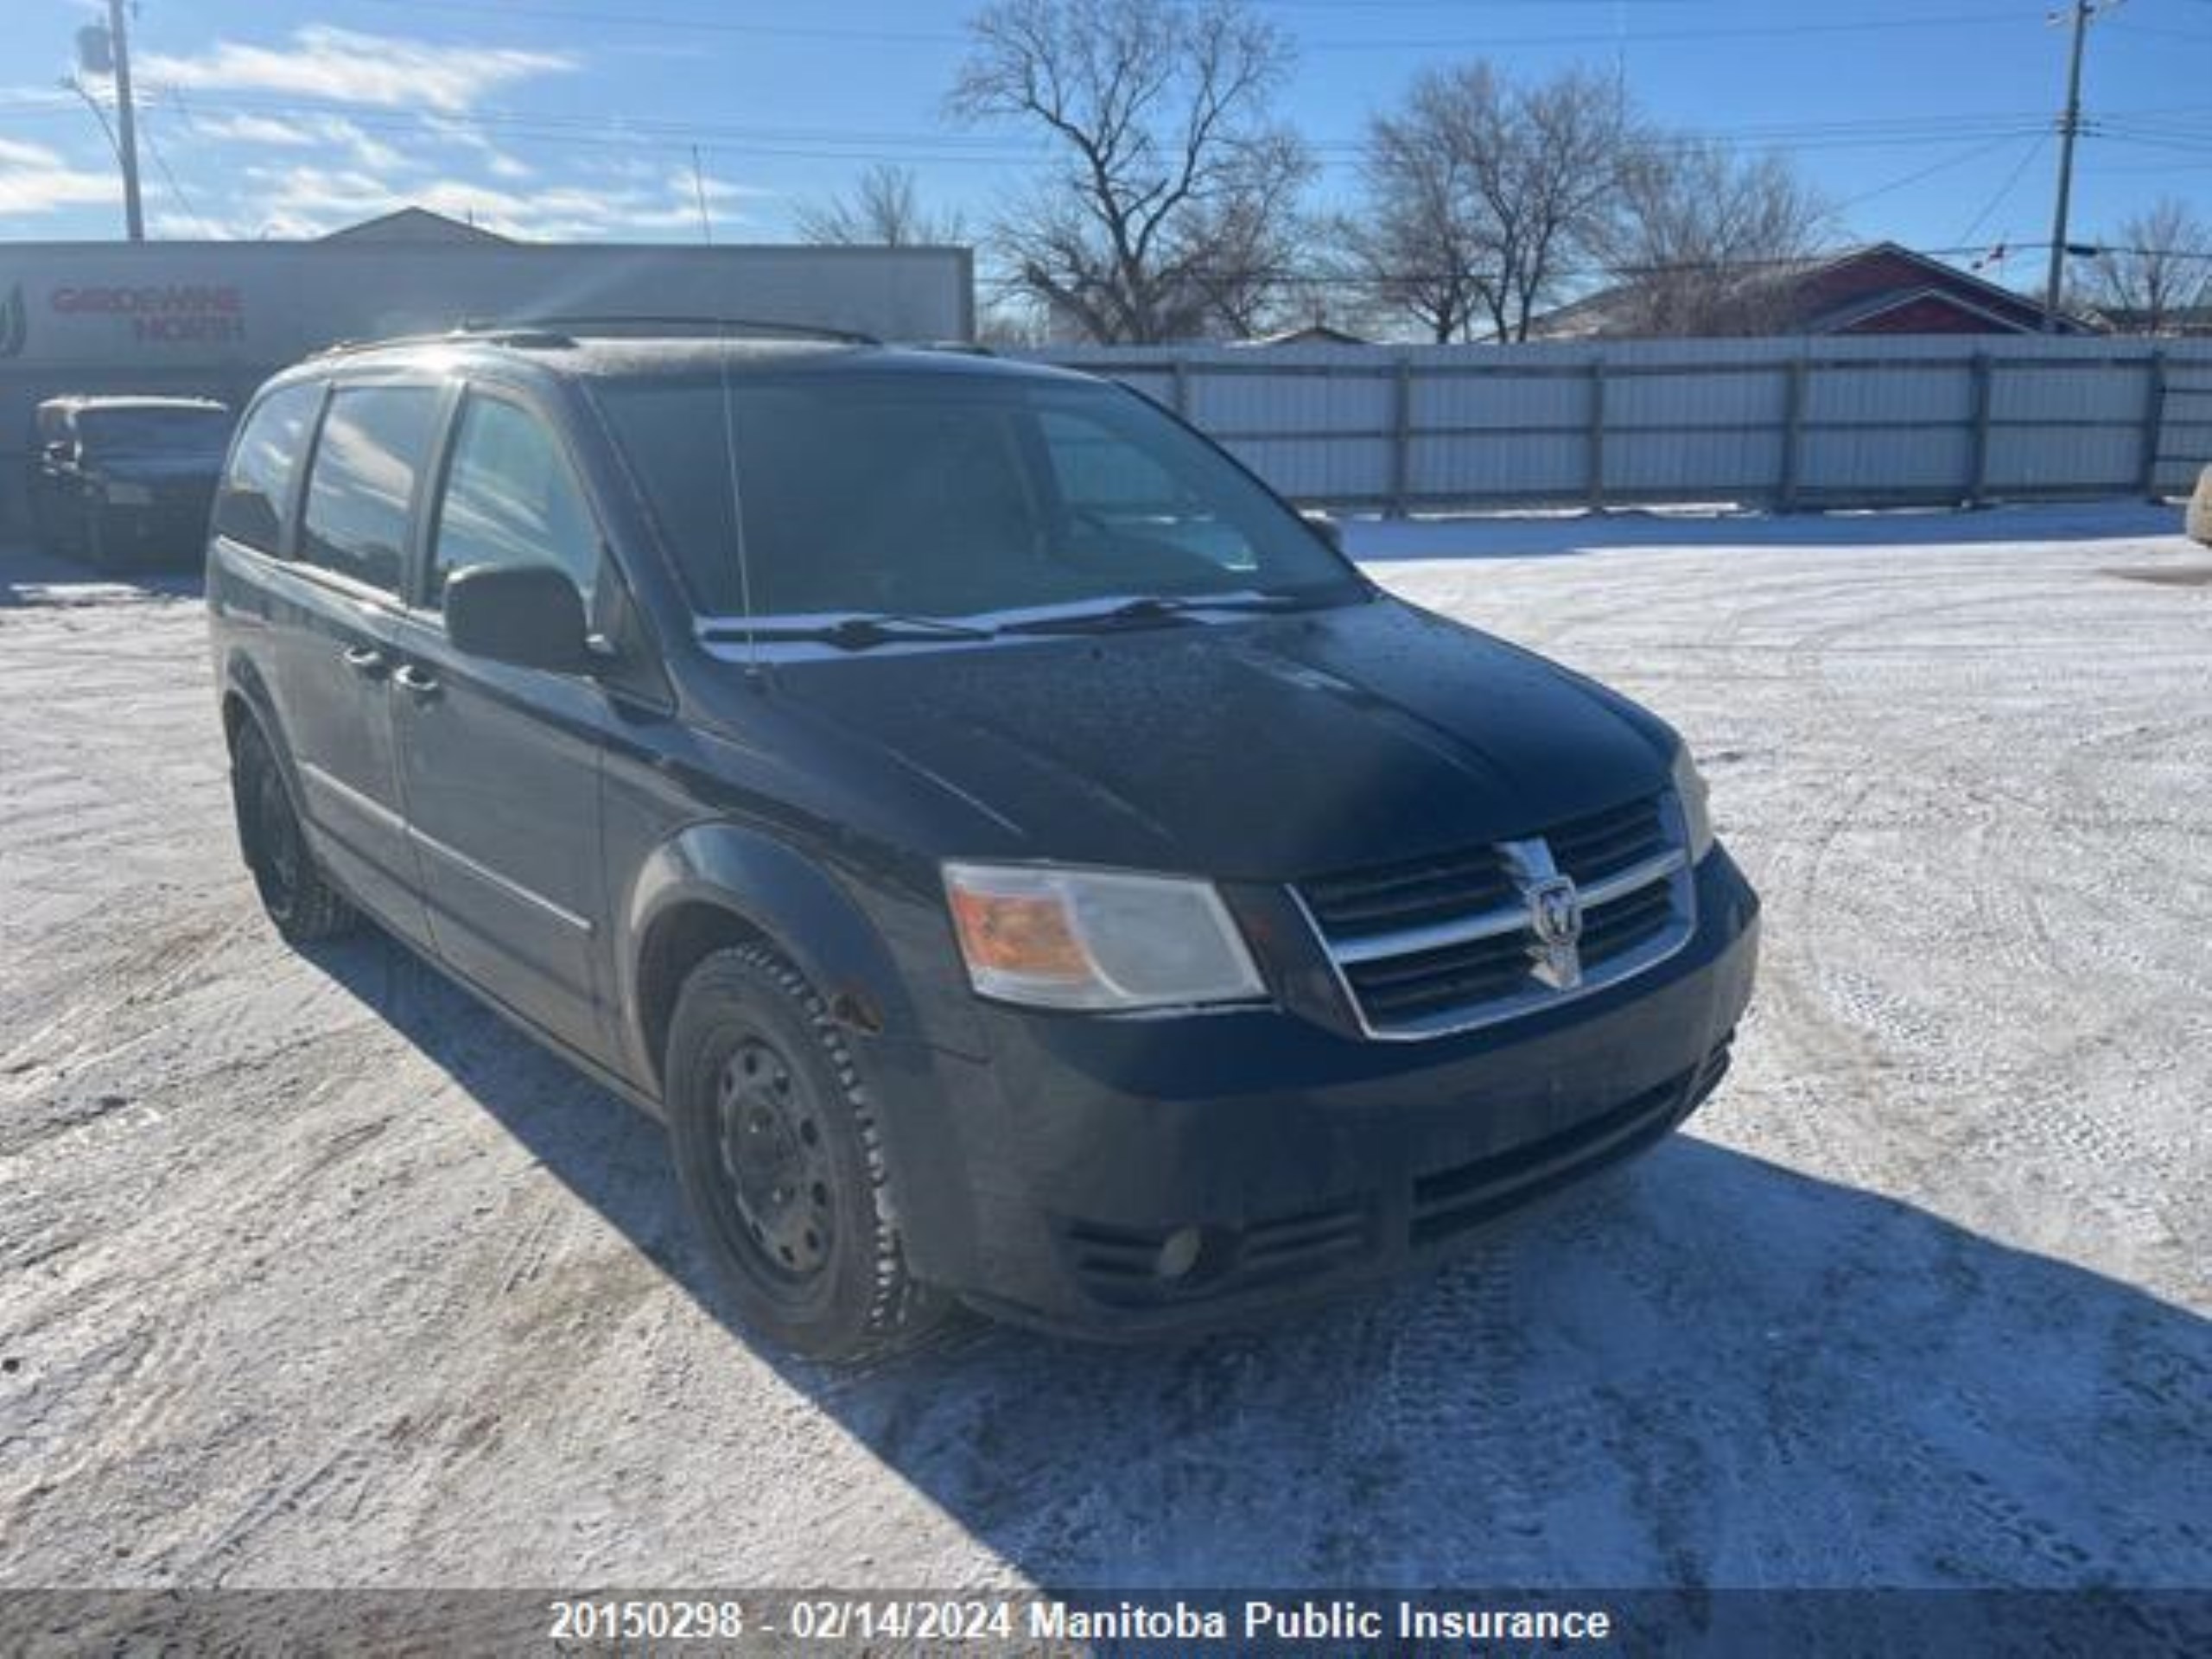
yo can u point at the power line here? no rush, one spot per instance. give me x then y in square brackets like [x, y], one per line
[1488, 43]
[176, 189]
[849, 144]
[1929, 171]
[2004, 190]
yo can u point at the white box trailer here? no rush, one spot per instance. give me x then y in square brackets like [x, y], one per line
[214, 319]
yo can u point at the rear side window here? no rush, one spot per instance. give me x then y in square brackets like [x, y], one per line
[258, 483]
[511, 499]
[361, 489]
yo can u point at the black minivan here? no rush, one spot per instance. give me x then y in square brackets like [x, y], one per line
[1023, 861]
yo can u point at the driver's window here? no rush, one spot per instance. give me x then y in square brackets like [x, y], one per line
[511, 499]
[1113, 492]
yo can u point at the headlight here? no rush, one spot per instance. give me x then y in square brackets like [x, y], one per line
[1096, 939]
[121, 495]
[1690, 790]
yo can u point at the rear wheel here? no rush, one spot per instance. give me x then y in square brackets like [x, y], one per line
[294, 891]
[782, 1167]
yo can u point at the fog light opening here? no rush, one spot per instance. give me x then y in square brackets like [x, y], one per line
[1179, 1253]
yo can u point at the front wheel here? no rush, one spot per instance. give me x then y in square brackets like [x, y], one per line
[781, 1163]
[293, 890]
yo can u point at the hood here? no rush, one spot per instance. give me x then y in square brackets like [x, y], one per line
[1266, 748]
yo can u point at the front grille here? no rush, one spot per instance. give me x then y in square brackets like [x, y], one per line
[1442, 943]
[1410, 894]
[1600, 844]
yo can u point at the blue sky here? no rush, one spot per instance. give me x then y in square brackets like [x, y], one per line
[1928, 123]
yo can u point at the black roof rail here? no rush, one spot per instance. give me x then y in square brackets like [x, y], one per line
[569, 326]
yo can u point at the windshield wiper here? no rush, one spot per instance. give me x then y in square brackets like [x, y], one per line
[1152, 607]
[851, 633]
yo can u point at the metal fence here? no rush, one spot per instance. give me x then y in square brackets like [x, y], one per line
[1792, 423]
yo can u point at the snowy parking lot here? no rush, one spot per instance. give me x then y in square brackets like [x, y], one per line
[312, 1273]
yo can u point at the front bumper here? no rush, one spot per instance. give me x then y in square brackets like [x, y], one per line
[170, 530]
[1043, 1183]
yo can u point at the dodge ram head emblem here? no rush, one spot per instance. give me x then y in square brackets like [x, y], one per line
[1556, 917]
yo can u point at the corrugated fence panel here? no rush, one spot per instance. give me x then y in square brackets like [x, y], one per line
[1884, 394]
[2064, 460]
[1864, 421]
[1349, 470]
[1868, 463]
[1753, 397]
[1346, 404]
[1691, 465]
[1501, 466]
[2092, 395]
[1491, 402]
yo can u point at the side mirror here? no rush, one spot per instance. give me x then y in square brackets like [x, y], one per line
[528, 614]
[1326, 528]
[56, 449]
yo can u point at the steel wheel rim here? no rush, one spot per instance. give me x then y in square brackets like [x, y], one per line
[775, 1161]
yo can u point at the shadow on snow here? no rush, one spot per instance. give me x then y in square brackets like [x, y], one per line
[1703, 1369]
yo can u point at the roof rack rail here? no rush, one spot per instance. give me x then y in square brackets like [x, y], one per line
[571, 326]
[345, 347]
[563, 330]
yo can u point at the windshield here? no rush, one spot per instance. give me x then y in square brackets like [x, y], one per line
[154, 431]
[938, 495]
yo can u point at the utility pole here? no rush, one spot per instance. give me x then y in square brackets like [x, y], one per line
[2069, 124]
[134, 218]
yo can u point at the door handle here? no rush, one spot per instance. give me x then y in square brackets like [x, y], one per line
[367, 661]
[413, 681]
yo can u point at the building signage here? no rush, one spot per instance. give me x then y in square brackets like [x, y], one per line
[159, 313]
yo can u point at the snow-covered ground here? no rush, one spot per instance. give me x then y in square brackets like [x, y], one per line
[310, 1272]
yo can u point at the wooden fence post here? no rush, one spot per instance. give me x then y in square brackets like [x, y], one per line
[1597, 439]
[1977, 463]
[2154, 427]
[1401, 432]
[1793, 430]
[1180, 370]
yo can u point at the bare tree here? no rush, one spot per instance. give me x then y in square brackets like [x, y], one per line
[884, 210]
[1481, 195]
[2156, 267]
[1172, 200]
[1704, 236]
[1422, 241]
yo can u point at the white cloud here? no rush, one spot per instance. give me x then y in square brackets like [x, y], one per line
[310, 199]
[36, 180]
[362, 148]
[496, 161]
[349, 67]
[253, 129]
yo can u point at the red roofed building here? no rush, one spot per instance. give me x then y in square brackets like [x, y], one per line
[1881, 290]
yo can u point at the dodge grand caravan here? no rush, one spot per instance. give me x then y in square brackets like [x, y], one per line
[1023, 861]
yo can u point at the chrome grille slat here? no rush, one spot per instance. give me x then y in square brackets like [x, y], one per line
[1450, 941]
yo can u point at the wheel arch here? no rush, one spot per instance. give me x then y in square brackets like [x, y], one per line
[246, 696]
[715, 885]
